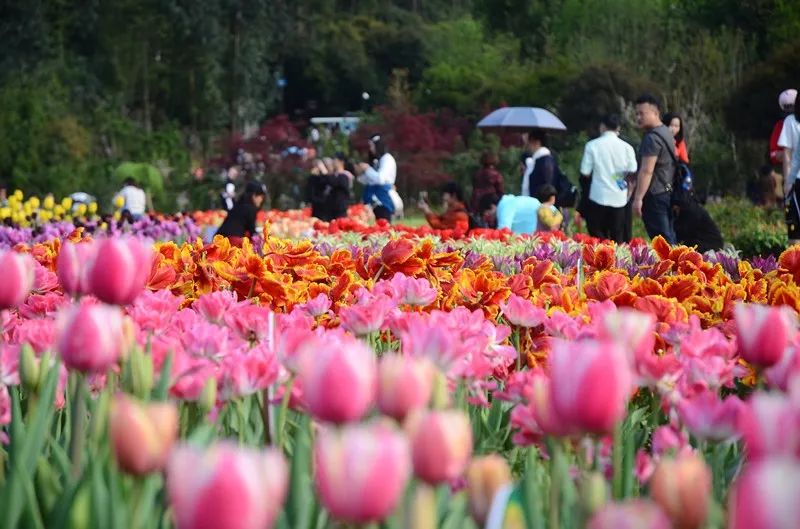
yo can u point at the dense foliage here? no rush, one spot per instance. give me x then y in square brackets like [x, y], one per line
[85, 86]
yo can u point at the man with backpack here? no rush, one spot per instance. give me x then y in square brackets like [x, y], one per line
[657, 168]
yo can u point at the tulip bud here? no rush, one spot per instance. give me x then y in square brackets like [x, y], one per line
[91, 337]
[28, 369]
[80, 513]
[764, 332]
[441, 444]
[208, 397]
[361, 471]
[632, 514]
[142, 434]
[120, 270]
[766, 495]
[485, 476]
[226, 486]
[594, 492]
[18, 278]
[682, 487]
[404, 385]
[440, 397]
[72, 267]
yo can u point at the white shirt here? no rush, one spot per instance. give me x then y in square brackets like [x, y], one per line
[386, 174]
[530, 163]
[607, 159]
[790, 134]
[794, 165]
[135, 200]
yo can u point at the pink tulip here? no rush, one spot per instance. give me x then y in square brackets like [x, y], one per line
[766, 496]
[367, 316]
[339, 384]
[318, 306]
[91, 337]
[633, 514]
[535, 416]
[667, 439]
[120, 271]
[764, 332]
[632, 329]
[441, 445]
[18, 278]
[404, 384]
[522, 313]
[682, 487]
[781, 374]
[414, 291]
[708, 417]
[361, 471]
[214, 305]
[770, 426]
[590, 383]
[74, 262]
[142, 434]
[226, 486]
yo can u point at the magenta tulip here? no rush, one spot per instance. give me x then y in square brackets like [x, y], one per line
[404, 384]
[226, 486]
[91, 337]
[708, 417]
[339, 384]
[74, 262]
[18, 278]
[441, 445]
[590, 385]
[770, 426]
[361, 471]
[633, 514]
[764, 332]
[766, 496]
[120, 270]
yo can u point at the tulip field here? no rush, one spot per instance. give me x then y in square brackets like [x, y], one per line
[349, 375]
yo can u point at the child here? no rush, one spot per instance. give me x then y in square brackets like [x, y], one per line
[549, 216]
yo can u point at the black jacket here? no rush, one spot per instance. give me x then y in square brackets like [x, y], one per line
[695, 227]
[329, 196]
[240, 222]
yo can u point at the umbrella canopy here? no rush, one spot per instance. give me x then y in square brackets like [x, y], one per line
[522, 118]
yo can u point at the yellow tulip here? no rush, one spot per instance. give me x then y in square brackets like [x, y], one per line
[34, 202]
[81, 210]
[119, 202]
[93, 208]
[58, 210]
[19, 195]
[66, 203]
[117, 215]
[5, 212]
[49, 202]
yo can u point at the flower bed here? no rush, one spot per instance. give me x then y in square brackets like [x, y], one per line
[385, 378]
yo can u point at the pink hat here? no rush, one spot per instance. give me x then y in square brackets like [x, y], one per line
[787, 98]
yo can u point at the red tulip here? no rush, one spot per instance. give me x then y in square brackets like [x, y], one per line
[142, 434]
[766, 496]
[339, 384]
[226, 486]
[764, 332]
[18, 278]
[441, 445]
[120, 270]
[361, 471]
[633, 514]
[91, 337]
[770, 426]
[590, 385]
[74, 262]
[404, 384]
[682, 487]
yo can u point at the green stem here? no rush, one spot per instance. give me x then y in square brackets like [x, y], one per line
[515, 337]
[617, 449]
[554, 449]
[282, 412]
[78, 430]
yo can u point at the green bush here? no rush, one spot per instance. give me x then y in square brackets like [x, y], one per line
[750, 229]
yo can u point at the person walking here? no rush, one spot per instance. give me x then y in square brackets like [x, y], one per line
[379, 179]
[790, 135]
[607, 162]
[134, 199]
[791, 187]
[786, 101]
[487, 181]
[539, 166]
[241, 220]
[675, 124]
[651, 199]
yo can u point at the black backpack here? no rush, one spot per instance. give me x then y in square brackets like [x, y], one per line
[682, 186]
[566, 192]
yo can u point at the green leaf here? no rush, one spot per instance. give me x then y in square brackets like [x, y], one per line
[162, 387]
[300, 503]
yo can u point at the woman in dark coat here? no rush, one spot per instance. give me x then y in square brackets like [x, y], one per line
[241, 220]
[487, 181]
